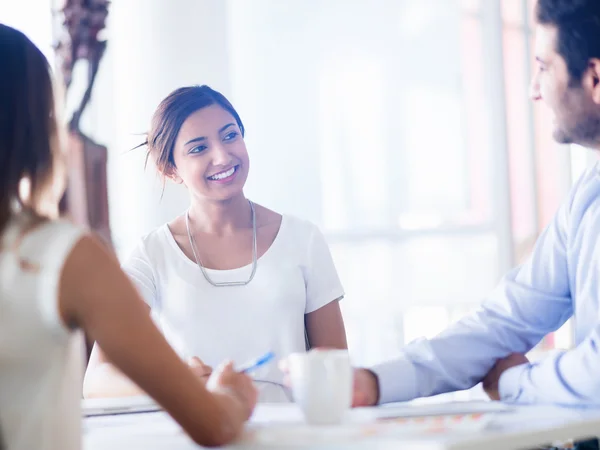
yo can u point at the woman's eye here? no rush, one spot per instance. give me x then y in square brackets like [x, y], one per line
[198, 149]
[230, 136]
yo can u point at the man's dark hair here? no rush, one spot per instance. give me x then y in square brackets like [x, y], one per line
[578, 31]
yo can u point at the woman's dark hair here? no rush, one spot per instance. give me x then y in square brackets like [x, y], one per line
[28, 126]
[170, 115]
[578, 31]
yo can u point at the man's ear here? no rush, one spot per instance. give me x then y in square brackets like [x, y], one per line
[592, 79]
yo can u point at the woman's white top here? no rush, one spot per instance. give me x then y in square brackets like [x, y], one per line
[294, 277]
[41, 360]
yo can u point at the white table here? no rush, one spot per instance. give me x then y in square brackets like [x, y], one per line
[281, 426]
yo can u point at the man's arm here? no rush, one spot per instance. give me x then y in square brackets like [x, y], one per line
[531, 301]
[461, 356]
[567, 378]
[491, 380]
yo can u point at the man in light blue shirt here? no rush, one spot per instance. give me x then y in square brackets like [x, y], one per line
[561, 278]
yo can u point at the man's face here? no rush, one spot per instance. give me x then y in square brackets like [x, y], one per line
[574, 103]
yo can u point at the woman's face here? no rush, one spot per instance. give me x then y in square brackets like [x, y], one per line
[210, 155]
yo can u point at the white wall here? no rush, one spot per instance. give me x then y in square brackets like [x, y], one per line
[341, 97]
[32, 17]
[154, 48]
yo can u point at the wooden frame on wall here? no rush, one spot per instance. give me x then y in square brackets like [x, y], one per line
[77, 30]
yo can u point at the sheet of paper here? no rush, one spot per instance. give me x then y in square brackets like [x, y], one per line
[291, 413]
[438, 409]
[157, 422]
[267, 413]
[123, 405]
[284, 425]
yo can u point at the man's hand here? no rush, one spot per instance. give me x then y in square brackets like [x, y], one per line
[366, 388]
[490, 382]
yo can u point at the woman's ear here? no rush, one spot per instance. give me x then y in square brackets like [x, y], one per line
[176, 179]
[172, 175]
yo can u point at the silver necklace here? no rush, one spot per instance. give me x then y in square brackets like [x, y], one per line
[199, 262]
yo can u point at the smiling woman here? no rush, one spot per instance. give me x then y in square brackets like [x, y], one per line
[228, 278]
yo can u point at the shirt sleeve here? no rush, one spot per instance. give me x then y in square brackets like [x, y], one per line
[139, 269]
[531, 301]
[50, 245]
[321, 278]
[567, 378]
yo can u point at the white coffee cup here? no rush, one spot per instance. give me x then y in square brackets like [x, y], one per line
[322, 384]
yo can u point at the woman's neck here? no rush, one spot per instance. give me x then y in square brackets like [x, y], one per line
[224, 217]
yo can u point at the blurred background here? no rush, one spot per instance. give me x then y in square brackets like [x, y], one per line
[403, 128]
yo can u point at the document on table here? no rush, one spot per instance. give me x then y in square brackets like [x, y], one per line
[407, 410]
[284, 424]
[291, 413]
[120, 405]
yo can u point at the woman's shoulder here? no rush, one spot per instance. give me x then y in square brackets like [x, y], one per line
[42, 231]
[301, 226]
[41, 240]
[152, 242]
[291, 227]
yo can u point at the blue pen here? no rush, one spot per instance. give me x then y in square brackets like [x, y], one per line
[253, 365]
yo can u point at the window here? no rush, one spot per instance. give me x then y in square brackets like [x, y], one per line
[388, 125]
